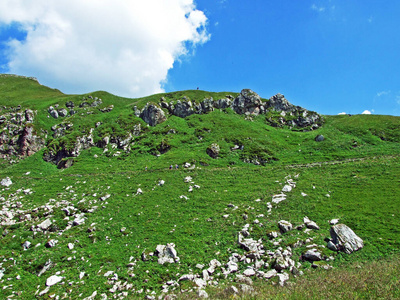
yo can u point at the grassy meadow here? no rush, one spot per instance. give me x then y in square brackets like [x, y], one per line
[353, 175]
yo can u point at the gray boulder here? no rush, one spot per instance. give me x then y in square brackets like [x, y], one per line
[247, 102]
[319, 138]
[62, 112]
[345, 239]
[152, 114]
[183, 109]
[312, 255]
[279, 103]
[166, 253]
[285, 226]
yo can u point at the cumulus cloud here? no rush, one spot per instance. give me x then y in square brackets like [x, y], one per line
[342, 113]
[124, 47]
[366, 112]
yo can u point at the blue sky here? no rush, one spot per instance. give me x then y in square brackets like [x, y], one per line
[330, 56]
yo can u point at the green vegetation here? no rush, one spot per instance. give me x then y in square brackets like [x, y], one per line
[352, 175]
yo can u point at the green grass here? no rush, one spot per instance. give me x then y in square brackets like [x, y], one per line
[358, 165]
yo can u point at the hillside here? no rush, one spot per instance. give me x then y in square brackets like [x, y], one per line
[90, 201]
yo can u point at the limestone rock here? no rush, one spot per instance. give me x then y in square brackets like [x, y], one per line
[6, 182]
[213, 150]
[183, 108]
[45, 224]
[285, 226]
[248, 102]
[26, 245]
[345, 239]
[312, 255]
[152, 114]
[166, 253]
[52, 280]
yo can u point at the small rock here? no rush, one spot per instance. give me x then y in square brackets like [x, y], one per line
[6, 182]
[334, 221]
[285, 226]
[52, 243]
[312, 255]
[287, 188]
[249, 272]
[26, 245]
[52, 280]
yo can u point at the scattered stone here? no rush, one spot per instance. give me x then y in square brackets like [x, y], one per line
[334, 221]
[26, 245]
[285, 226]
[319, 138]
[46, 267]
[286, 188]
[249, 272]
[166, 253]
[331, 246]
[345, 239]
[283, 277]
[312, 255]
[45, 224]
[50, 244]
[6, 182]
[52, 280]
[202, 294]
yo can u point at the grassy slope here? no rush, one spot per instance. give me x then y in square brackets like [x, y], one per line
[363, 193]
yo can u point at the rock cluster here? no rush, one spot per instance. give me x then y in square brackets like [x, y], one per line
[246, 103]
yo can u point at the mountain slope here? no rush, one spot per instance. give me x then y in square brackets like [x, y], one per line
[96, 225]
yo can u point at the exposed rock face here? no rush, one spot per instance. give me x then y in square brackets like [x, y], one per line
[213, 150]
[55, 154]
[152, 114]
[18, 137]
[248, 102]
[345, 239]
[183, 109]
[279, 103]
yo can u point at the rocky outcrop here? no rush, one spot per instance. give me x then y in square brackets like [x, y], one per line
[18, 136]
[56, 153]
[248, 102]
[183, 109]
[280, 111]
[152, 114]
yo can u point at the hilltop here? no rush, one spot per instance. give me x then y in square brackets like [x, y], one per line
[91, 207]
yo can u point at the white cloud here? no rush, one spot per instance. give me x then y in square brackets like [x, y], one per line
[366, 112]
[342, 113]
[383, 93]
[124, 47]
[318, 8]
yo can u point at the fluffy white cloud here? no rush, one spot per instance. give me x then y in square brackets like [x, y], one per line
[123, 46]
[366, 112]
[342, 113]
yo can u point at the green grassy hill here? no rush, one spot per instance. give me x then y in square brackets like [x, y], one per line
[115, 204]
